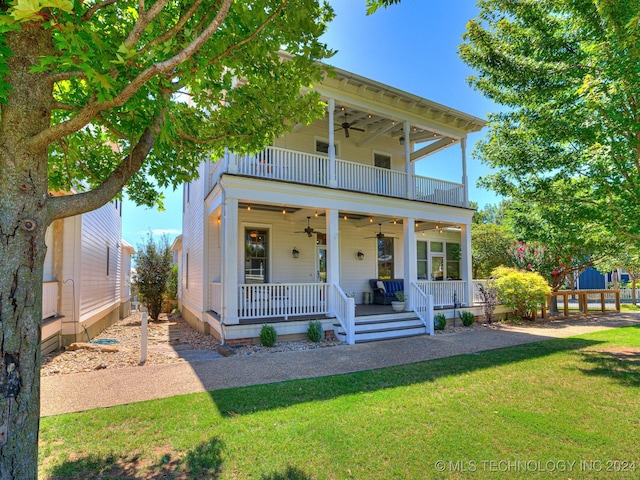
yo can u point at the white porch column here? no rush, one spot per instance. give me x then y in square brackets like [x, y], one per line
[333, 182]
[408, 167]
[333, 256]
[465, 179]
[410, 261]
[465, 262]
[229, 255]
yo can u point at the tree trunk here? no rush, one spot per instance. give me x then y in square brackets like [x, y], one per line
[23, 222]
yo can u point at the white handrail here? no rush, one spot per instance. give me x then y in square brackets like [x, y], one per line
[422, 305]
[345, 312]
[277, 163]
[265, 300]
[443, 291]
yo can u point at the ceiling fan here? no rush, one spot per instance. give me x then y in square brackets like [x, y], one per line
[346, 126]
[379, 235]
[309, 231]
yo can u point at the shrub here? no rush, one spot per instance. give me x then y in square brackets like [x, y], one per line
[153, 266]
[439, 321]
[520, 290]
[268, 335]
[314, 332]
[400, 296]
[467, 318]
[490, 300]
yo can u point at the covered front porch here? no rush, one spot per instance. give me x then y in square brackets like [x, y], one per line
[294, 260]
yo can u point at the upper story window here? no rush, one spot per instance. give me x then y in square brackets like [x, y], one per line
[322, 147]
[382, 160]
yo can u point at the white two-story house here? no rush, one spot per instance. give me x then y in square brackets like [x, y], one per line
[306, 228]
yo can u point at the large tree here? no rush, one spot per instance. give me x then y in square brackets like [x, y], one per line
[98, 95]
[567, 75]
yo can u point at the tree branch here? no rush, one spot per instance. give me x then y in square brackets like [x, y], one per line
[144, 19]
[61, 76]
[66, 206]
[89, 13]
[84, 116]
[250, 37]
[178, 26]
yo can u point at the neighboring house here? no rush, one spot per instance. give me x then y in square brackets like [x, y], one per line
[593, 279]
[86, 281]
[298, 230]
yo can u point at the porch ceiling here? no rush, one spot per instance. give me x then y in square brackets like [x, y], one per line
[361, 220]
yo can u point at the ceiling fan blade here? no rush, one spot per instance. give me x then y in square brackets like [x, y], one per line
[357, 129]
[346, 132]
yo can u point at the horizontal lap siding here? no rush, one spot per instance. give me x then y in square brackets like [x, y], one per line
[101, 230]
[193, 231]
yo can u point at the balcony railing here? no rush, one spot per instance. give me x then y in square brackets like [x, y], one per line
[443, 292]
[311, 169]
[282, 300]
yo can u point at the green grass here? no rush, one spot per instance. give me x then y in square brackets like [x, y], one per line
[543, 405]
[629, 307]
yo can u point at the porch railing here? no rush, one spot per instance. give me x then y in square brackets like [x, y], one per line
[365, 178]
[439, 191]
[423, 307]
[299, 167]
[286, 300]
[443, 292]
[345, 312]
[49, 299]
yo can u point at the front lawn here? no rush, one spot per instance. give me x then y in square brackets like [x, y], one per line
[556, 409]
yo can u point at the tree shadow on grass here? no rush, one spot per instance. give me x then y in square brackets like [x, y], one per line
[291, 473]
[621, 364]
[202, 462]
[247, 400]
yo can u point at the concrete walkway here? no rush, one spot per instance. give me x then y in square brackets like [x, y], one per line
[109, 387]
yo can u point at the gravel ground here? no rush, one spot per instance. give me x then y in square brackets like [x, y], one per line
[169, 331]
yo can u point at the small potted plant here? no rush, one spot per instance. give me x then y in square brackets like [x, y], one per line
[398, 303]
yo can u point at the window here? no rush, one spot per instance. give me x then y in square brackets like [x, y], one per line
[385, 258]
[256, 256]
[186, 271]
[382, 160]
[322, 147]
[108, 254]
[453, 261]
[423, 260]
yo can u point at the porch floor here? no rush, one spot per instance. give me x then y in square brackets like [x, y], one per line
[362, 310]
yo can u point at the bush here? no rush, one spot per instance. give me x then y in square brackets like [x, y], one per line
[521, 290]
[153, 266]
[490, 300]
[314, 332]
[467, 318]
[268, 335]
[439, 321]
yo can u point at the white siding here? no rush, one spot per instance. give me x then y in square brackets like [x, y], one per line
[193, 221]
[100, 260]
[71, 267]
[47, 275]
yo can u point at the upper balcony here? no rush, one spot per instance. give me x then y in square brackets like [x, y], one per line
[285, 165]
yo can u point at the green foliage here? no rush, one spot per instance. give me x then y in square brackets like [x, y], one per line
[314, 331]
[172, 283]
[153, 266]
[489, 246]
[567, 136]
[400, 296]
[467, 318]
[521, 290]
[268, 335]
[439, 321]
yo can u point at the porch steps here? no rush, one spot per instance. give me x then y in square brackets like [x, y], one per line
[372, 328]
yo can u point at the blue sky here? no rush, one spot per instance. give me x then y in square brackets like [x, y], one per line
[411, 46]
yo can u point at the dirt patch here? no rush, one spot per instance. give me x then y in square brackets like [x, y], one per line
[627, 354]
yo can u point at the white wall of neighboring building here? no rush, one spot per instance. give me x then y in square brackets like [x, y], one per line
[193, 232]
